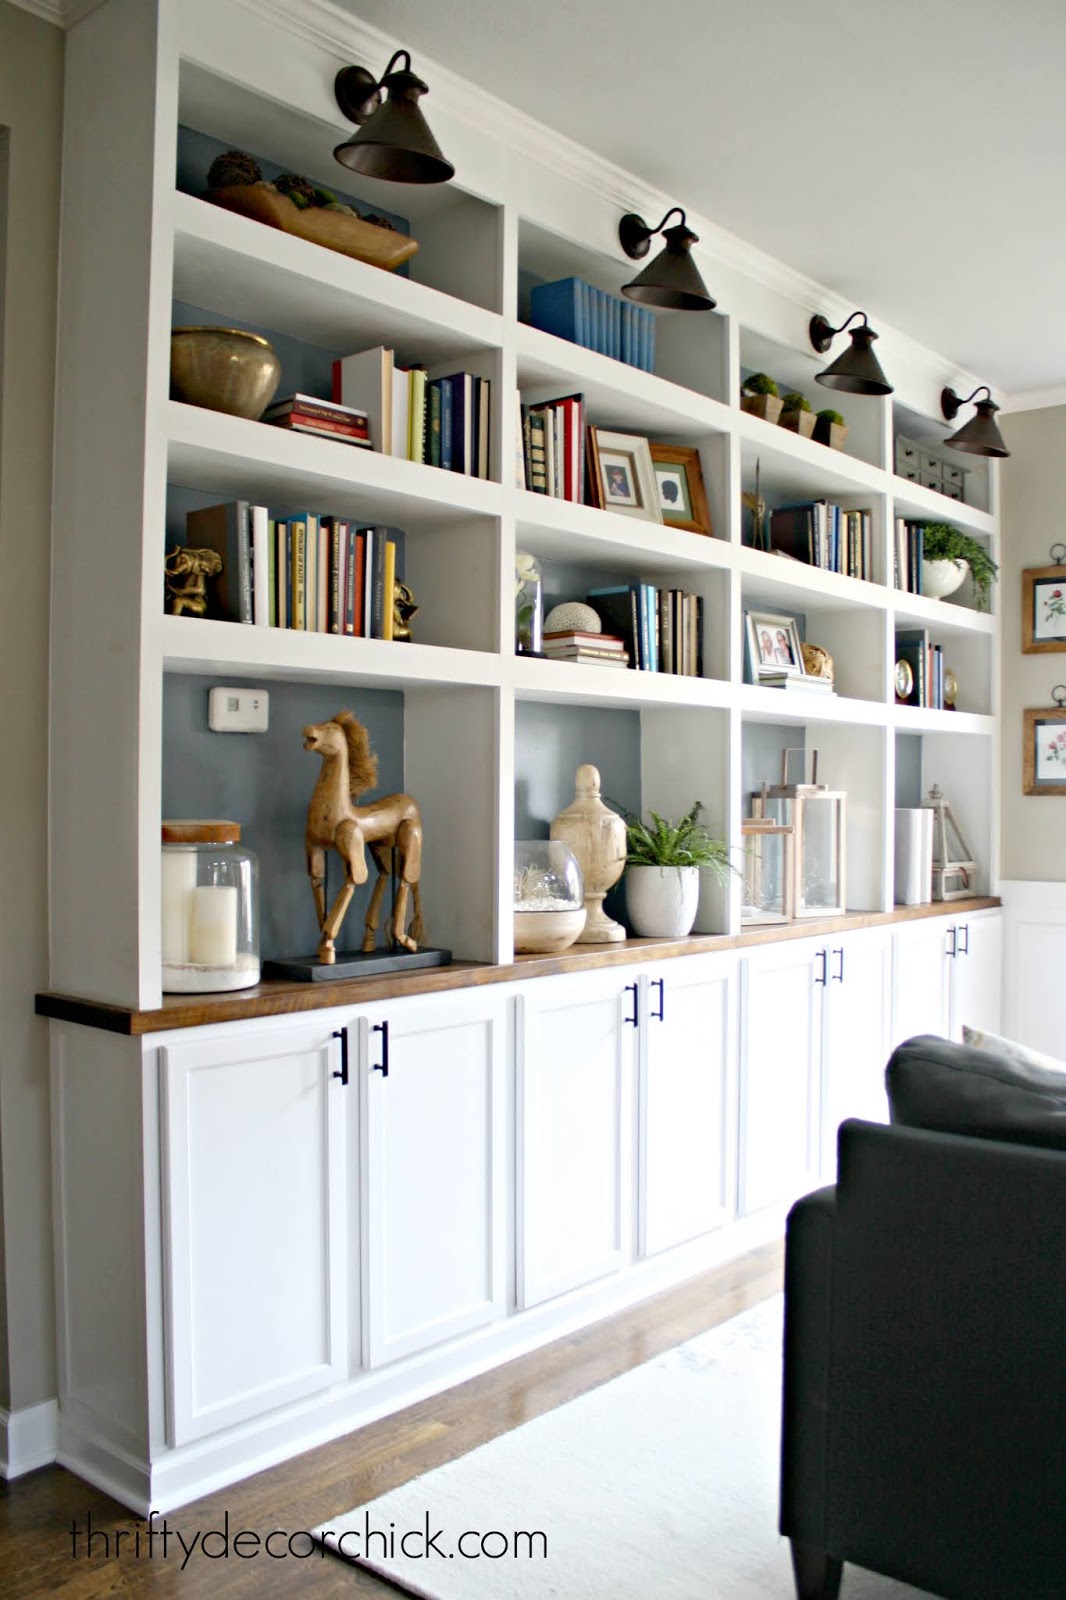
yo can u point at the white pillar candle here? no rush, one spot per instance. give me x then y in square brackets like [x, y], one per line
[177, 885]
[213, 927]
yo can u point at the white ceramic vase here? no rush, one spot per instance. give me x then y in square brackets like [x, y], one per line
[940, 578]
[661, 902]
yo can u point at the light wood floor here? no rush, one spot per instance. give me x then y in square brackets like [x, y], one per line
[36, 1511]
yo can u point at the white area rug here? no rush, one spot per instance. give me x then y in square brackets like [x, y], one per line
[660, 1485]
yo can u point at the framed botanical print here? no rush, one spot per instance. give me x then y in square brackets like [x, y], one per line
[1044, 752]
[1043, 609]
[679, 478]
[621, 475]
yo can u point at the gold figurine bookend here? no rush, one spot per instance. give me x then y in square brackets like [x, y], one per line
[186, 573]
[391, 828]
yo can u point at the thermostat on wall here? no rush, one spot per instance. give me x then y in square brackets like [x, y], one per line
[238, 710]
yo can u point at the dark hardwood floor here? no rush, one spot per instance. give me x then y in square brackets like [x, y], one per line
[37, 1511]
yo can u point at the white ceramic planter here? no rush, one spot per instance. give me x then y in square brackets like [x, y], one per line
[661, 901]
[940, 578]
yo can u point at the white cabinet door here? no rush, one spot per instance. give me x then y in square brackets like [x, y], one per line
[253, 1186]
[781, 1009]
[432, 1169]
[921, 989]
[576, 1058]
[687, 1127]
[977, 974]
[858, 998]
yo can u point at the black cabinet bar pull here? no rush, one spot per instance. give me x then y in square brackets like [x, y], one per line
[383, 1064]
[342, 1035]
[964, 949]
[953, 935]
[632, 988]
[658, 983]
[823, 957]
[838, 975]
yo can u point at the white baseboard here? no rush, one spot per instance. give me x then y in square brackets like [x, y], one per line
[1035, 960]
[28, 1438]
[187, 1473]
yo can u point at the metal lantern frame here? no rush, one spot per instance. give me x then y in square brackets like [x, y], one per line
[954, 870]
[799, 798]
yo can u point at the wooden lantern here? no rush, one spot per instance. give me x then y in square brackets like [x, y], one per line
[816, 816]
[954, 870]
[768, 875]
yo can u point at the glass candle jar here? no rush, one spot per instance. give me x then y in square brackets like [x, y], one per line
[549, 896]
[210, 908]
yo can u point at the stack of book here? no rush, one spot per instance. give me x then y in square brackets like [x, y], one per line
[824, 535]
[926, 662]
[907, 556]
[661, 629]
[595, 649]
[553, 441]
[306, 413]
[439, 418]
[794, 681]
[575, 310]
[316, 574]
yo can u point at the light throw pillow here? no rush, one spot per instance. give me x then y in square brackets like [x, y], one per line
[1009, 1050]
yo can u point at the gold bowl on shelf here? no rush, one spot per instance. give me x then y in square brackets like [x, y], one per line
[224, 369]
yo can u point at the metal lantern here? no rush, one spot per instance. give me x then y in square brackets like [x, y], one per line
[768, 877]
[815, 815]
[954, 869]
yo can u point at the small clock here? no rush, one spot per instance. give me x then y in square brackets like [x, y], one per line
[904, 681]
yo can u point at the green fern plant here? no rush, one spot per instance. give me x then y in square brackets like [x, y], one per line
[942, 542]
[662, 843]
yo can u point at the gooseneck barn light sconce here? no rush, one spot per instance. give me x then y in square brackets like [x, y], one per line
[393, 140]
[980, 436]
[672, 280]
[858, 370]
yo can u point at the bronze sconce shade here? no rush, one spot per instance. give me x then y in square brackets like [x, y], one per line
[672, 280]
[980, 436]
[393, 140]
[858, 370]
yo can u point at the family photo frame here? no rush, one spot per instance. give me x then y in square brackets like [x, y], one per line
[774, 647]
[622, 477]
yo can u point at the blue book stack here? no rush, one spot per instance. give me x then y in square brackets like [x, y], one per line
[575, 310]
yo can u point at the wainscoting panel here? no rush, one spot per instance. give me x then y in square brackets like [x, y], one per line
[1035, 967]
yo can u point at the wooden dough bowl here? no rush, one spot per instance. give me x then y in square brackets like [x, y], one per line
[364, 241]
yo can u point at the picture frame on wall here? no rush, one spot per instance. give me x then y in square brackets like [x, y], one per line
[621, 476]
[679, 479]
[1044, 751]
[1043, 610]
[774, 648]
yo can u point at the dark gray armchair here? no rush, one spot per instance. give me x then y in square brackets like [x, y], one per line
[924, 1425]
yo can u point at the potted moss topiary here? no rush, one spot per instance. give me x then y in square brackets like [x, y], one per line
[662, 877]
[830, 428]
[759, 396]
[947, 552]
[797, 414]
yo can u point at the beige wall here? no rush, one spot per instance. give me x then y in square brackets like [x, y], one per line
[31, 83]
[1033, 518]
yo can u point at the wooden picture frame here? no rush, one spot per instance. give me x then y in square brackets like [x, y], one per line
[1043, 610]
[1044, 751]
[621, 477]
[679, 480]
[773, 645]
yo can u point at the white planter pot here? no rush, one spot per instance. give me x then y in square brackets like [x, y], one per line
[940, 578]
[661, 901]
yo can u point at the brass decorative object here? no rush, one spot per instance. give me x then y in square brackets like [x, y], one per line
[403, 609]
[186, 573]
[817, 662]
[223, 369]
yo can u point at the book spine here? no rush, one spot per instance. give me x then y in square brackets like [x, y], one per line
[377, 601]
[446, 424]
[284, 573]
[272, 572]
[299, 558]
[359, 586]
[388, 588]
[433, 425]
[260, 536]
[317, 424]
[337, 541]
[348, 625]
[370, 543]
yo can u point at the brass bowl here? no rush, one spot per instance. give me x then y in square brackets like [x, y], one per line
[224, 369]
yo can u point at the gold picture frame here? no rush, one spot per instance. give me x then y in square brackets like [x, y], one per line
[1044, 750]
[1043, 610]
[679, 480]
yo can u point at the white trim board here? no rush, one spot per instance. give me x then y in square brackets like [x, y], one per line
[28, 1438]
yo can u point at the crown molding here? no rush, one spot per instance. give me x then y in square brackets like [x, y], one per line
[1035, 399]
[54, 11]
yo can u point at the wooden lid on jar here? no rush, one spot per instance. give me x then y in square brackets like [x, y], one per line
[204, 831]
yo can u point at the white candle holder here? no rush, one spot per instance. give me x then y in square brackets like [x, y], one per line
[209, 896]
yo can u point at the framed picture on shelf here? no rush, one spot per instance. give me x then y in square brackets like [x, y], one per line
[1044, 751]
[679, 479]
[621, 474]
[1043, 609]
[774, 648]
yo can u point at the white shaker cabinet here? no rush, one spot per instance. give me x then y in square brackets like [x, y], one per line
[948, 971]
[855, 1032]
[977, 973]
[432, 1168]
[254, 1223]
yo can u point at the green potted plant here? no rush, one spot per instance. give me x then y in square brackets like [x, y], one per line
[830, 428]
[947, 555]
[797, 414]
[663, 862]
[759, 396]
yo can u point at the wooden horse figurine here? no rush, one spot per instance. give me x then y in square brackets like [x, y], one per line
[390, 827]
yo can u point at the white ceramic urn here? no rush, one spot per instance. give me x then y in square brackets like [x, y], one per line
[941, 578]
